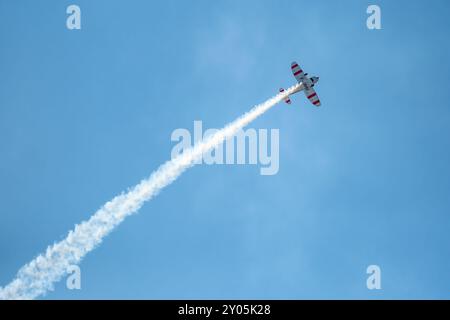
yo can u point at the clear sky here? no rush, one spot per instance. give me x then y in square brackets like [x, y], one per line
[365, 179]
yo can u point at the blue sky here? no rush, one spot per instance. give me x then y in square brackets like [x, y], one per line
[363, 180]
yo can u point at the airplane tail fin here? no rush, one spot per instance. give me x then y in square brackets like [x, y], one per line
[287, 99]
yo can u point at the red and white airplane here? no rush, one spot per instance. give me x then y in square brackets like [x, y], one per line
[306, 85]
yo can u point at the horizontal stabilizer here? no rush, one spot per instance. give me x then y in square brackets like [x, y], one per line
[287, 99]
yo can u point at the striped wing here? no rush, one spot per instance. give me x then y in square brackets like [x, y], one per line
[297, 71]
[312, 96]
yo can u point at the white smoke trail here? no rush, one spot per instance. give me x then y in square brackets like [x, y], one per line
[38, 276]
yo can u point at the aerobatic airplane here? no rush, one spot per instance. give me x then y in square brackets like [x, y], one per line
[306, 85]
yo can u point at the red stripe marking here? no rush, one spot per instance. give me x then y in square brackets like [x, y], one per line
[316, 102]
[298, 72]
[294, 66]
[314, 94]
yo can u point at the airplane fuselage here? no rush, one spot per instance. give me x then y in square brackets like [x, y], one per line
[308, 83]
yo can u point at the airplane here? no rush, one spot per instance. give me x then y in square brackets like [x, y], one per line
[306, 85]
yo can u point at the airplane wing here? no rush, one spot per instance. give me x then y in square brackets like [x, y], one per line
[312, 96]
[297, 71]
